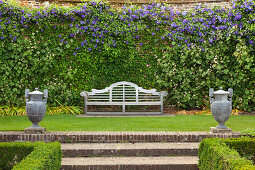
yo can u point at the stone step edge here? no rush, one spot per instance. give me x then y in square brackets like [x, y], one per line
[130, 152]
[113, 163]
[131, 167]
[164, 160]
[105, 137]
[147, 145]
[129, 149]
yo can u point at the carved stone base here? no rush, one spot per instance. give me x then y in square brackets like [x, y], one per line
[37, 130]
[219, 130]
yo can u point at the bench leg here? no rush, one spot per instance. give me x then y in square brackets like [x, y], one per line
[86, 108]
[162, 104]
[123, 108]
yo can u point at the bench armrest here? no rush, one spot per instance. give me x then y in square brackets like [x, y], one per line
[164, 93]
[84, 93]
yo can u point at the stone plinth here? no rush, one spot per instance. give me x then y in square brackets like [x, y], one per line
[33, 130]
[219, 130]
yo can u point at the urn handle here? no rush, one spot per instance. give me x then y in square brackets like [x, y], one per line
[230, 94]
[26, 95]
[45, 96]
[211, 95]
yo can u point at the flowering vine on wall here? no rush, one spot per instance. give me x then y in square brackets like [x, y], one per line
[70, 49]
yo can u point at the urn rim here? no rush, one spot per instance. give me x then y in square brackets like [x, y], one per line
[221, 91]
[36, 92]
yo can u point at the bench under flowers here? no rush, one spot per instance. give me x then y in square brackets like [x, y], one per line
[125, 94]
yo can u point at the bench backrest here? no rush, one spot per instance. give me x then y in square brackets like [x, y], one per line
[124, 92]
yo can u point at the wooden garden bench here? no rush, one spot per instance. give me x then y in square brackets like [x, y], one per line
[123, 93]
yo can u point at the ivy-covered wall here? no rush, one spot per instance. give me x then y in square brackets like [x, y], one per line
[68, 50]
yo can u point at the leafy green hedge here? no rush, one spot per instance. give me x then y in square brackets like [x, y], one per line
[13, 153]
[244, 146]
[215, 153]
[25, 155]
[211, 48]
[71, 49]
[68, 50]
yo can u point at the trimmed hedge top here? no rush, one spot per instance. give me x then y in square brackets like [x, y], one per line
[215, 153]
[13, 153]
[25, 155]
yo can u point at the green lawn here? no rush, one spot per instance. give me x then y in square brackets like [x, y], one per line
[176, 123]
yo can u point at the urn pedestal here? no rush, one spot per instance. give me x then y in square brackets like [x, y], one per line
[221, 108]
[36, 109]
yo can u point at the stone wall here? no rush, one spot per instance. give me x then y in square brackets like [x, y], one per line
[177, 5]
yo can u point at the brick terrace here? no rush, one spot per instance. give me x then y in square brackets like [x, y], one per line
[112, 137]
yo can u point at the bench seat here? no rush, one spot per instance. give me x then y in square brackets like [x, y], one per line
[123, 93]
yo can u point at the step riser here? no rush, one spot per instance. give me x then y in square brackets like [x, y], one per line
[129, 152]
[130, 167]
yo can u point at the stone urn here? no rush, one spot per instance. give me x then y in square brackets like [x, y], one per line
[221, 108]
[36, 108]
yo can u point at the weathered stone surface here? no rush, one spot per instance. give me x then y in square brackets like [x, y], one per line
[221, 107]
[38, 130]
[219, 130]
[129, 149]
[127, 163]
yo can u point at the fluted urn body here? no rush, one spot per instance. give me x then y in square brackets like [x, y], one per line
[36, 106]
[221, 106]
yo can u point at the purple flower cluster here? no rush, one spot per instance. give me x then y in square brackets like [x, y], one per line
[92, 27]
[210, 26]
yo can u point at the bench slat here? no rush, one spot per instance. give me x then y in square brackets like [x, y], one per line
[98, 99]
[124, 103]
[123, 93]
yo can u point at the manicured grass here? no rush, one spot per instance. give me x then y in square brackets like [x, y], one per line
[176, 123]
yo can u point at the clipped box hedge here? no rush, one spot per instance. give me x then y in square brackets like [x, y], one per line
[215, 153]
[25, 155]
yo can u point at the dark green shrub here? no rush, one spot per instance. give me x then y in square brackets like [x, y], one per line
[245, 147]
[211, 48]
[215, 154]
[68, 50]
[38, 155]
[12, 153]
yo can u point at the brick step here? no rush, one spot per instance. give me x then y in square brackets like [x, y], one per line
[129, 149]
[128, 163]
[111, 137]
